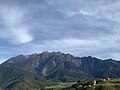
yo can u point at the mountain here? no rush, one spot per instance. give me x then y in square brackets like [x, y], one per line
[101, 68]
[33, 71]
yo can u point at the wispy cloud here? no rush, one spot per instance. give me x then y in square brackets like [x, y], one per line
[14, 28]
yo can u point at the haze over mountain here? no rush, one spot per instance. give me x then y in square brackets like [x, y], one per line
[33, 71]
[79, 27]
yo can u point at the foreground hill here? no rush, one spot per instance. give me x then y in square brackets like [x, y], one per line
[101, 84]
[112, 84]
[33, 71]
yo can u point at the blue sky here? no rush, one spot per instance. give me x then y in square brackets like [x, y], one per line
[79, 27]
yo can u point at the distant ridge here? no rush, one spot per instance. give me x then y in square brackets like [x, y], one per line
[35, 69]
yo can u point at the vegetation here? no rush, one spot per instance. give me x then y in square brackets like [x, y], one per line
[59, 86]
[112, 84]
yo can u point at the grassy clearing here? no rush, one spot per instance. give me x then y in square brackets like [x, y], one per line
[112, 84]
[60, 86]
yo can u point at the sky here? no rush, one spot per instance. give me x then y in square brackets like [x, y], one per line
[79, 27]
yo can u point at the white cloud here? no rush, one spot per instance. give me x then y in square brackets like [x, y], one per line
[72, 13]
[71, 42]
[69, 45]
[89, 13]
[20, 35]
[14, 29]
[11, 16]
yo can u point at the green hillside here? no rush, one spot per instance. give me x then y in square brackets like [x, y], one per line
[112, 84]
